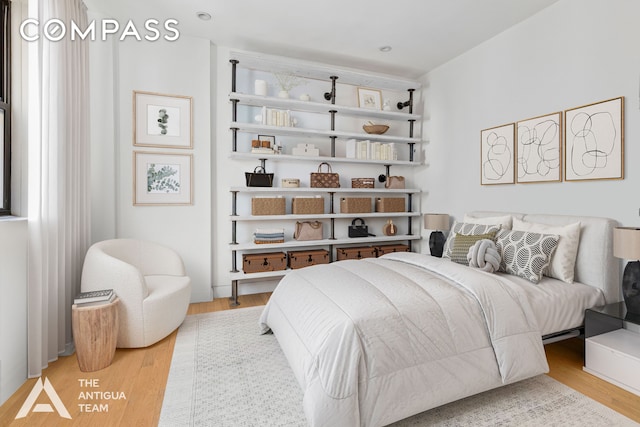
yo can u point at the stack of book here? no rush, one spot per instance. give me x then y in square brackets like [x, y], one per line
[85, 299]
[269, 235]
[368, 150]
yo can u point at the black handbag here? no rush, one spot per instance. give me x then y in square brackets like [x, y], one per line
[259, 178]
[359, 229]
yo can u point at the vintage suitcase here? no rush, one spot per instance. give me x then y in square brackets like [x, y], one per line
[386, 249]
[356, 253]
[300, 259]
[307, 205]
[261, 262]
[390, 204]
[355, 204]
[268, 206]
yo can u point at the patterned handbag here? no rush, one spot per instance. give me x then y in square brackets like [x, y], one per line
[325, 179]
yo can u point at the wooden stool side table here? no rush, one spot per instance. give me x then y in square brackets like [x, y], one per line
[95, 334]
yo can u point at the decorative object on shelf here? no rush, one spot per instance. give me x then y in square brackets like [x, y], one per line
[355, 204]
[308, 230]
[386, 105]
[594, 141]
[394, 182]
[270, 261]
[356, 253]
[305, 150]
[626, 245]
[436, 222]
[362, 182]
[301, 259]
[307, 205]
[375, 129]
[390, 204]
[538, 152]
[161, 120]
[162, 179]
[497, 154]
[286, 81]
[268, 205]
[358, 228]
[389, 229]
[290, 183]
[259, 178]
[267, 236]
[325, 179]
[305, 97]
[369, 98]
[260, 88]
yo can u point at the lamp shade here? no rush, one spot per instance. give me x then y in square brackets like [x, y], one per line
[436, 221]
[626, 243]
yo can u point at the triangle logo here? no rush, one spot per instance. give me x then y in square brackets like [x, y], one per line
[30, 405]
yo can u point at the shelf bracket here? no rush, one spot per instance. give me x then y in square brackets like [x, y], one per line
[408, 103]
[331, 96]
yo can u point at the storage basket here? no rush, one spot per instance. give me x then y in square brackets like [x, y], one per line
[355, 204]
[362, 182]
[290, 183]
[390, 204]
[300, 259]
[268, 206]
[356, 253]
[307, 205]
[261, 262]
[387, 249]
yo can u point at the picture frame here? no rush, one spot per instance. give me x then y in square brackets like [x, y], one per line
[594, 141]
[163, 121]
[271, 139]
[369, 98]
[497, 155]
[539, 149]
[162, 178]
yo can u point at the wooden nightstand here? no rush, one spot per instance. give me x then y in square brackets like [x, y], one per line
[95, 334]
[611, 351]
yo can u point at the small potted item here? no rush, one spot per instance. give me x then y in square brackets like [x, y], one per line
[389, 229]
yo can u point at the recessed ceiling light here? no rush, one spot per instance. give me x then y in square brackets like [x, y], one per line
[385, 49]
[204, 16]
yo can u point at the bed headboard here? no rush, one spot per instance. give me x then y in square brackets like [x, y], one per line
[595, 263]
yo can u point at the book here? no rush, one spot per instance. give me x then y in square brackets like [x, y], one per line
[111, 299]
[94, 296]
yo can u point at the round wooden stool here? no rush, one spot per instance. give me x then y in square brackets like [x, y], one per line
[95, 334]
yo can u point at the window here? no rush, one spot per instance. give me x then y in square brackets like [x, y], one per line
[5, 108]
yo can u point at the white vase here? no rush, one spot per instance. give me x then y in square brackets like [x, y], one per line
[260, 88]
[283, 94]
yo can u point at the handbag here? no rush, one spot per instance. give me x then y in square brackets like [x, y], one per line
[359, 229]
[325, 179]
[308, 230]
[259, 178]
[394, 182]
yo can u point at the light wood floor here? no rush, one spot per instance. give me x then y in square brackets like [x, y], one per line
[142, 375]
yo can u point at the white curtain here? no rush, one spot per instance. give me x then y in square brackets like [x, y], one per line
[58, 193]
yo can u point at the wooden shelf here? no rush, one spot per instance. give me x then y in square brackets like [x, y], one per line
[291, 158]
[341, 190]
[325, 216]
[323, 242]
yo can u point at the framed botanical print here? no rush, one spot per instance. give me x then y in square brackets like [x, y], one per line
[162, 120]
[162, 179]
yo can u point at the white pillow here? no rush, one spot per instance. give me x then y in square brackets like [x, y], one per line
[563, 262]
[503, 221]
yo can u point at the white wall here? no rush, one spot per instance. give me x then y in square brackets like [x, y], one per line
[573, 53]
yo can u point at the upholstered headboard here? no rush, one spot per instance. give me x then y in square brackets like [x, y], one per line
[595, 263]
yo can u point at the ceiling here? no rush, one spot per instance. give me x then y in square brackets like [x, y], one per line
[423, 34]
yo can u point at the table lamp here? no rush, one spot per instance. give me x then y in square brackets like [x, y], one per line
[626, 245]
[436, 222]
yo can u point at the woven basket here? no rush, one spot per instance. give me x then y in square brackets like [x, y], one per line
[307, 205]
[268, 206]
[355, 204]
[390, 204]
[362, 182]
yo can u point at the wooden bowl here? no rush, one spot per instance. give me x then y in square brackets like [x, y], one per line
[375, 129]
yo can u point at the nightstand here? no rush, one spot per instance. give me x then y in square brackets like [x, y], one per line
[610, 351]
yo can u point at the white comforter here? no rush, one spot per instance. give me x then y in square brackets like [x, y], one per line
[377, 340]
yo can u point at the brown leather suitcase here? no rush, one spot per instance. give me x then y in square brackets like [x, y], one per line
[300, 259]
[356, 253]
[269, 261]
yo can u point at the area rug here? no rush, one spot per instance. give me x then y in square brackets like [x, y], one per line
[224, 373]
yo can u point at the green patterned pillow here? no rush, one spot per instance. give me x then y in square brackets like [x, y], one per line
[462, 243]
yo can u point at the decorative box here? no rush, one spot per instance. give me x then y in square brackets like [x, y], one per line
[307, 205]
[300, 259]
[362, 182]
[268, 206]
[290, 183]
[258, 263]
[386, 249]
[305, 150]
[356, 253]
[355, 204]
[390, 204]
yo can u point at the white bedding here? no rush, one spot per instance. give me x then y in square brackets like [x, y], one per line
[377, 340]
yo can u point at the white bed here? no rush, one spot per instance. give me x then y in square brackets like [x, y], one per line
[377, 340]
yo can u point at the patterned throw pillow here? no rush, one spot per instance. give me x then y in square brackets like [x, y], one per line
[467, 229]
[462, 243]
[525, 254]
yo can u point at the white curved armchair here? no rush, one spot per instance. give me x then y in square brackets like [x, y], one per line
[150, 281]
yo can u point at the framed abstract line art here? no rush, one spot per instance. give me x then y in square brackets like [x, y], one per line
[594, 141]
[538, 149]
[161, 120]
[162, 179]
[496, 155]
